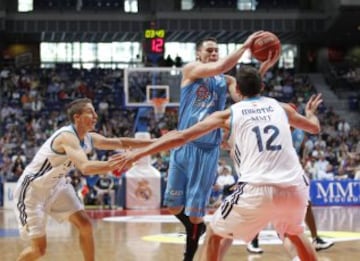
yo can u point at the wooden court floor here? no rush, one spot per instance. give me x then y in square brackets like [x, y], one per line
[154, 235]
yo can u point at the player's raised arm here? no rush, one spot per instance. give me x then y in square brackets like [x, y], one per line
[201, 69]
[309, 122]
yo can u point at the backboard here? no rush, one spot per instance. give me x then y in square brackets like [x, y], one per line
[141, 85]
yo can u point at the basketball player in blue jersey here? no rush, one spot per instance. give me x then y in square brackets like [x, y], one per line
[192, 168]
[273, 187]
[42, 189]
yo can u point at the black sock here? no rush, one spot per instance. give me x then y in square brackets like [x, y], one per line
[255, 241]
[192, 240]
[184, 219]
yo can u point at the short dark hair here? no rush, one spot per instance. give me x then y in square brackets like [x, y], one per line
[249, 81]
[76, 107]
[206, 39]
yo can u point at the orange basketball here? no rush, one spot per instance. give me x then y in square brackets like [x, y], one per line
[264, 44]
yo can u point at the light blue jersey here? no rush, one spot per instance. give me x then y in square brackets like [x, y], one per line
[192, 169]
[200, 99]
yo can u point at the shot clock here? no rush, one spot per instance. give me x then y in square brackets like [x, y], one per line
[154, 41]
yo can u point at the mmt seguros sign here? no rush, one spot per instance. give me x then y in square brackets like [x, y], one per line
[335, 192]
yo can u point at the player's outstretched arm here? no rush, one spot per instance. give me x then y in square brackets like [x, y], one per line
[310, 122]
[174, 139]
[104, 143]
[70, 144]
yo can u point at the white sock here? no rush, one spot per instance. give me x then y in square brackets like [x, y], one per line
[296, 259]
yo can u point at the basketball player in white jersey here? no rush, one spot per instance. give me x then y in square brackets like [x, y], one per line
[42, 189]
[272, 186]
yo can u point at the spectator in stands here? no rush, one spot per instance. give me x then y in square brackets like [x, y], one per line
[349, 167]
[343, 127]
[37, 104]
[323, 169]
[104, 188]
[224, 179]
[17, 167]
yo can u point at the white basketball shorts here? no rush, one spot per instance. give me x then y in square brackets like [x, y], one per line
[33, 205]
[250, 208]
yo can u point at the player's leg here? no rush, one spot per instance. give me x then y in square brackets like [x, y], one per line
[211, 250]
[291, 205]
[193, 233]
[83, 223]
[174, 196]
[224, 246]
[290, 248]
[67, 206]
[32, 221]
[200, 180]
[175, 193]
[303, 246]
[36, 250]
[318, 242]
[241, 215]
[310, 221]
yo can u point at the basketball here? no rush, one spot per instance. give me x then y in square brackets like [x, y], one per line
[264, 44]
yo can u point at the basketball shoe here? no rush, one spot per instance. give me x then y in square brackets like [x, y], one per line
[253, 247]
[321, 244]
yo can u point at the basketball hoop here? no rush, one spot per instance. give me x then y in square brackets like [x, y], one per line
[159, 107]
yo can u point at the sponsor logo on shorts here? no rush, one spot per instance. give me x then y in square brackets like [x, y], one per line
[176, 193]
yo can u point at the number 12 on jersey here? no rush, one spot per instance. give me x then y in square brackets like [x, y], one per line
[260, 133]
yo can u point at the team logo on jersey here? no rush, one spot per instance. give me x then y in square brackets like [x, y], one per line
[202, 92]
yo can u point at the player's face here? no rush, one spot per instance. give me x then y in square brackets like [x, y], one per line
[88, 116]
[209, 52]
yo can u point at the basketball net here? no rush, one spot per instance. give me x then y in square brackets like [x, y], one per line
[159, 107]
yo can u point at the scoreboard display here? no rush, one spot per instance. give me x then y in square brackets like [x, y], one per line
[154, 41]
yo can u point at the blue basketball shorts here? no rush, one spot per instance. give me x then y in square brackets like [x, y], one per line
[192, 173]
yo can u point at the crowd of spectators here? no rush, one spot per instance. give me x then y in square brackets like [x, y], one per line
[32, 107]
